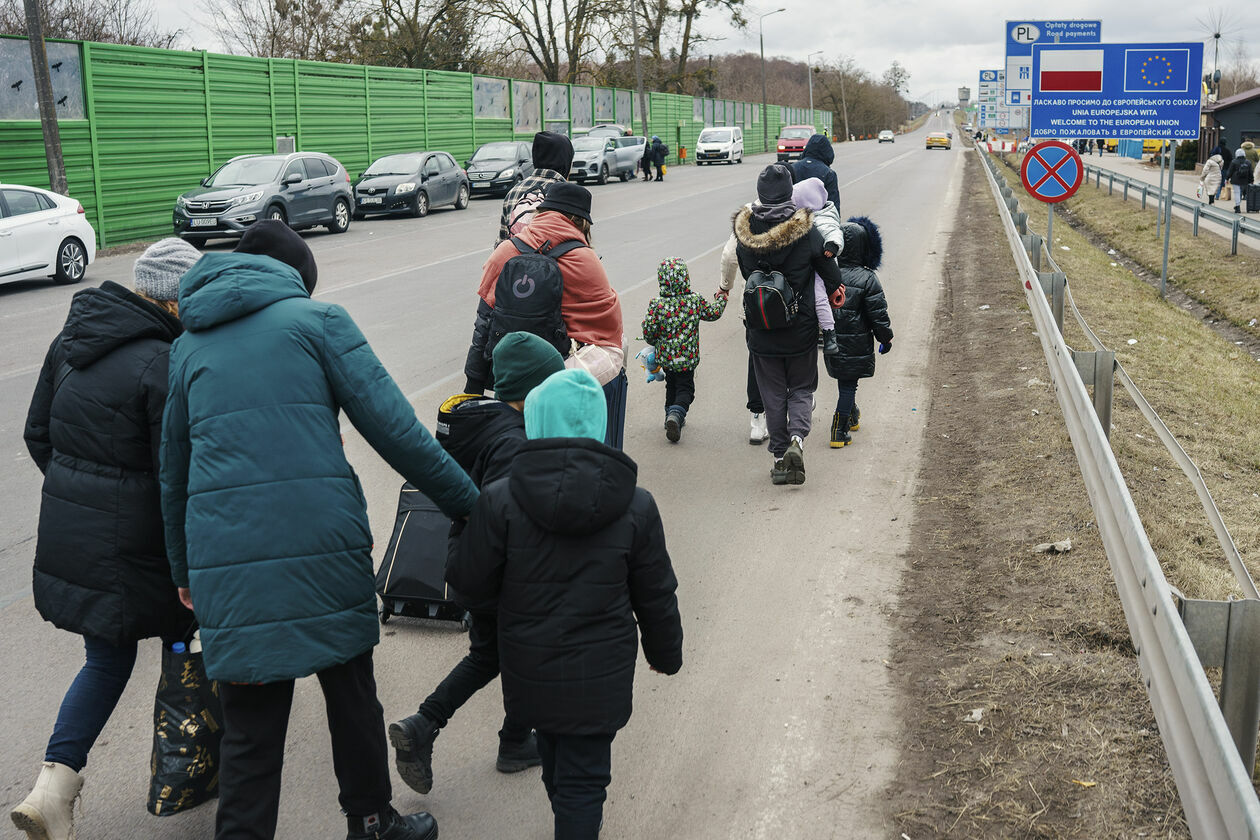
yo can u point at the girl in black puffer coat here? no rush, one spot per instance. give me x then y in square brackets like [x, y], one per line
[93, 429]
[860, 322]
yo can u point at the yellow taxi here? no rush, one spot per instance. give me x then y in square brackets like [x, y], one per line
[937, 139]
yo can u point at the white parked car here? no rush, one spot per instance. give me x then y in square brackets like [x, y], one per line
[886, 136]
[724, 143]
[43, 234]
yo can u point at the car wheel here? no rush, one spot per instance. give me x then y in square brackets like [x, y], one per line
[624, 176]
[461, 200]
[420, 205]
[71, 262]
[603, 175]
[341, 217]
[276, 213]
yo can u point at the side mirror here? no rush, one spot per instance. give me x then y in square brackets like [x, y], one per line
[293, 178]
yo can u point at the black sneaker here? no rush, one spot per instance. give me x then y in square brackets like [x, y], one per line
[391, 825]
[513, 758]
[794, 461]
[854, 416]
[412, 738]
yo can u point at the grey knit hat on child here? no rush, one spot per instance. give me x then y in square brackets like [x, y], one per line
[159, 268]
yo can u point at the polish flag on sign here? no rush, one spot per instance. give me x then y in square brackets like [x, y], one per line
[1071, 71]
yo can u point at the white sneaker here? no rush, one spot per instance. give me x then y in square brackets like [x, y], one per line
[757, 431]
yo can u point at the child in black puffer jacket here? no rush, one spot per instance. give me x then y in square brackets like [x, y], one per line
[860, 322]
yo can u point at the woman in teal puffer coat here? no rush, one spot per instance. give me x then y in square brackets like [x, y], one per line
[266, 523]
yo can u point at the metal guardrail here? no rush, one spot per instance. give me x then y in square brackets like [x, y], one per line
[1212, 781]
[1238, 224]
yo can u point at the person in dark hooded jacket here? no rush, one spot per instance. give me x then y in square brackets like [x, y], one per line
[772, 235]
[815, 162]
[483, 436]
[553, 158]
[860, 322]
[574, 553]
[93, 429]
[266, 522]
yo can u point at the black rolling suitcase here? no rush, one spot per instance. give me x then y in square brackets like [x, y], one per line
[1253, 198]
[412, 578]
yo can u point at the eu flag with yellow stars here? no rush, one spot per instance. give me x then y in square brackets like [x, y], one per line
[1157, 71]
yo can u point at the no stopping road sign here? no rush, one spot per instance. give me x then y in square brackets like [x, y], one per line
[1052, 171]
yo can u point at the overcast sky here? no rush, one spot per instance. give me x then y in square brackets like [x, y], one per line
[943, 44]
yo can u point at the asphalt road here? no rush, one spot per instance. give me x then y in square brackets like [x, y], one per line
[782, 722]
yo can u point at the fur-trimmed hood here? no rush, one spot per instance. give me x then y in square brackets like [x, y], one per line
[776, 238]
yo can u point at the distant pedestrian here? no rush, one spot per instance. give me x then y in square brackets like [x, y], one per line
[1210, 179]
[1100, 144]
[1252, 153]
[672, 326]
[553, 157]
[1227, 156]
[773, 236]
[574, 554]
[815, 162]
[1239, 176]
[646, 161]
[93, 429]
[267, 527]
[860, 322]
[483, 436]
[589, 308]
[660, 153]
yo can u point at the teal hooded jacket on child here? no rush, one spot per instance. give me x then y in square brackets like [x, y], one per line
[265, 519]
[672, 323]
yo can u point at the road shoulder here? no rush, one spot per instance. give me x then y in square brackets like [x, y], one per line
[1022, 707]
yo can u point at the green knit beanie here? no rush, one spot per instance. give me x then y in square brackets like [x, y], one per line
[521, 362]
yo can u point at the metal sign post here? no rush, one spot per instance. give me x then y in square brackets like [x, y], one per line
[1159, 217]
[1172, 165]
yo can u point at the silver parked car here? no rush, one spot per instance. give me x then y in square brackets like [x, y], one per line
[600, 158]
[302, 189]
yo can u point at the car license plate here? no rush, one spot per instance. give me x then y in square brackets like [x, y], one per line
[372, 200]
[202, 222]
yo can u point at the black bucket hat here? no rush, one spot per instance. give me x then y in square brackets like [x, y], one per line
[568, 198]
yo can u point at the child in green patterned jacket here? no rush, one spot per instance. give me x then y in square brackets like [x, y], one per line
[672, 326]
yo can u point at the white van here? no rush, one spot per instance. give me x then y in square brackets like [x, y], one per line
[724, 143]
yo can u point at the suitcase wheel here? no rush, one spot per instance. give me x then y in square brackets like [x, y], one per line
[385, 614]
[466, 622]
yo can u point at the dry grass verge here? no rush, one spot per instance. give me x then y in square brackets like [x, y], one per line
[1206, 389]
[1024, 711]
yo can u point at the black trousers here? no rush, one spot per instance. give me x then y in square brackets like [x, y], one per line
[473, 673]
[680, 389]
[660, 171]
[256, 718]
[576, 770]
[755, 404]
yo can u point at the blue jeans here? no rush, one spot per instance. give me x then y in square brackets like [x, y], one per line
[90, 701]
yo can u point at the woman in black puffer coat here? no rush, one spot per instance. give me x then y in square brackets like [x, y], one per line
[861, 322]
[93, 430]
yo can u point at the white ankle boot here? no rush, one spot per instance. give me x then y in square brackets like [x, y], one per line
[48, 812]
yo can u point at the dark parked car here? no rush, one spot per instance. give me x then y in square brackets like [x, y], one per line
[496, 167]
[302, 189]
[411, 182]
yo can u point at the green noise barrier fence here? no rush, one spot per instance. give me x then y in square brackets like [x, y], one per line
[152, 123]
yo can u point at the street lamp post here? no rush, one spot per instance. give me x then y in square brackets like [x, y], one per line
[809, 72]
[765, 128]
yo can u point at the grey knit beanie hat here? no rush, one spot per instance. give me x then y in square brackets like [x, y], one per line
[159, 268]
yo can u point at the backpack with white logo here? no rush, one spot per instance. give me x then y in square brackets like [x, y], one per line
[527, 295]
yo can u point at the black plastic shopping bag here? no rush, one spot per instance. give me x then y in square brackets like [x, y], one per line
[187, 729]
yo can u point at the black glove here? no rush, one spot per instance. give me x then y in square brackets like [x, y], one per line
[884, 347]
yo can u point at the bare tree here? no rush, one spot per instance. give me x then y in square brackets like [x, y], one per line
[689, 12]
[559, 35]
[107, 21]
[437, 34]
[1240, 73]
[314, 30]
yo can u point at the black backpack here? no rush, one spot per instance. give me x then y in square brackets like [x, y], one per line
[1243, 170]
[527, 295]
[769, 302]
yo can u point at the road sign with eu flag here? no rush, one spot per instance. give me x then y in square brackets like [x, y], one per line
[1116, 91]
